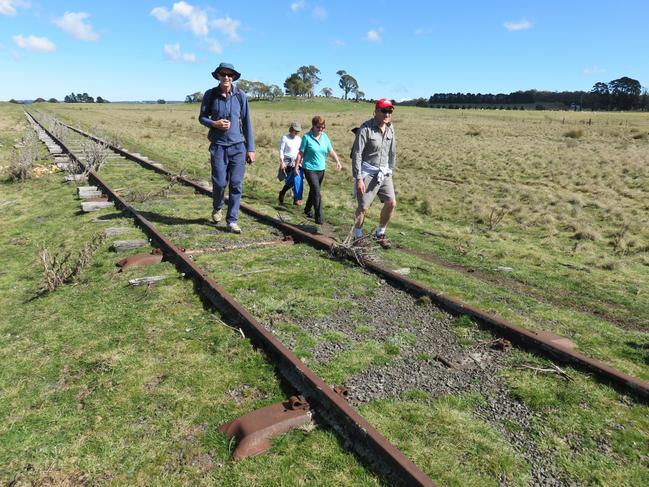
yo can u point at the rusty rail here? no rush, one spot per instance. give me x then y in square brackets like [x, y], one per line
[517, 334]
[335, 410]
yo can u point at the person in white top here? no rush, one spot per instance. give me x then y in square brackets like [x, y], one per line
[289, 146]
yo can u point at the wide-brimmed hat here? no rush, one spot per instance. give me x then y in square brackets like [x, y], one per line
[295, 126]
[229, 67]
[384, 103]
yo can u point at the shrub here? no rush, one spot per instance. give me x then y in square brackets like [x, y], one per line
[60, 268]
[22, 161]
[574, 134]
[95, 155]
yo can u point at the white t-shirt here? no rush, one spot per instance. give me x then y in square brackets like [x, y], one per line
[289, 147]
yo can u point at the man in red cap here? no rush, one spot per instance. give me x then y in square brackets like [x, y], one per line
[373, 161]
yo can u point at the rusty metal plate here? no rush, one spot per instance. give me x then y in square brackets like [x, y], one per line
[253, 431]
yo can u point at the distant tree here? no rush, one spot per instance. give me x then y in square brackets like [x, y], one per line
[309, 75]
[644, 100]
[194, 97]
[625, 92]
[358, 94]
[600, 96]
[71, 98]
[102, 100]
[275, 92]
[327, 92]
[14, 101]
[244, 85]
[161, 101]
[347, 83]
[52, 100]
[39, 100]
[85, 98]
[295, 86]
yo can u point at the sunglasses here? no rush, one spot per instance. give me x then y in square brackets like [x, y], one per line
[321, 127]
[224, 74]
[386, 110]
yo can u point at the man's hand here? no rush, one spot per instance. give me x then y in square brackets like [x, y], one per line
[339, 166]
[221, 124]
[360, 186]
[250, 157]
[296, 171]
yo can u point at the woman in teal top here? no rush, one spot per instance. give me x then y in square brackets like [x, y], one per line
[312, 157]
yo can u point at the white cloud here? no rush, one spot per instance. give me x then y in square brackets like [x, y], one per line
[228, 27]
[319, 13]
[214, 46]
[593, 70]
[185, 15]
[517, 25]
[297, 6]
[173, 54]
[374, 35]
[73, 23]
[339, 43]
[33, 43]
[8, 7]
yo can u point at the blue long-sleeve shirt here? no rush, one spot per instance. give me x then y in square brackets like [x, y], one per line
[231, 109]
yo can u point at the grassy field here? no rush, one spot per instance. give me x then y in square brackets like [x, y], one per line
[96, 384]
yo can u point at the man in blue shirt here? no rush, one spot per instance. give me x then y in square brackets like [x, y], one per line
[225, 111]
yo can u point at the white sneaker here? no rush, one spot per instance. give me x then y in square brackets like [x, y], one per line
[217, 216]
[234, 228]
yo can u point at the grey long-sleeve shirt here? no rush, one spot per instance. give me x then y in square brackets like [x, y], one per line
[374, 147]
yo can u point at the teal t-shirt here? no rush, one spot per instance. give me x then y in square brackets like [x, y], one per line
[315, 151]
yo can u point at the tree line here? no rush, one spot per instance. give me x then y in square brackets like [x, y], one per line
[620, 94]
[302, 83]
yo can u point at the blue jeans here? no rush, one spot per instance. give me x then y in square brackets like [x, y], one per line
[228, 165]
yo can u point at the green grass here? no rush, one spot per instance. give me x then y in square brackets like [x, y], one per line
[459, 450]
[123, 385]
[128, 385]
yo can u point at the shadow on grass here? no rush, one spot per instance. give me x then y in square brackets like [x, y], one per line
[174, 220]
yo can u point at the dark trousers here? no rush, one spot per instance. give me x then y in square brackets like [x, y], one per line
[314, 178]
[228, 169]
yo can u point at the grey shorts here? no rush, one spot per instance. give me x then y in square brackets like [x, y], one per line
[384, 190]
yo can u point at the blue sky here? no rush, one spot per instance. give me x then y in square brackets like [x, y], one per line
[141, 49]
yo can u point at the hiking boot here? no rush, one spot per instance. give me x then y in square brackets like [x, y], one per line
[308, 213]
[217, 216]
[234, 228]
[382, 241]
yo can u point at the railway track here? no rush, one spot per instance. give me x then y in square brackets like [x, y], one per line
[329, 404]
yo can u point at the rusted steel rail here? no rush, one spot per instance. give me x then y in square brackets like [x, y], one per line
[517, 334]
[331, 406]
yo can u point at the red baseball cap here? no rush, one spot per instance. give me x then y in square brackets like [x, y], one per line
[384, 103]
